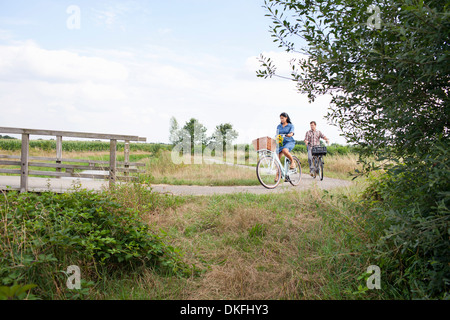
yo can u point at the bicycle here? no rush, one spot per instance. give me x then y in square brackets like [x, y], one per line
[269, 168]
[317, 161]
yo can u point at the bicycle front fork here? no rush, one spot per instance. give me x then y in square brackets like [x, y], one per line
[287, 164]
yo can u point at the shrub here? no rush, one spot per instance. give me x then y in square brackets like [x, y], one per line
[413, 200]
[42, 234]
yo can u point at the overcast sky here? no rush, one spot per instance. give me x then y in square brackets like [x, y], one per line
[127, 67]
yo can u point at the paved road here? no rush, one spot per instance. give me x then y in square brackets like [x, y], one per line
[65, 185]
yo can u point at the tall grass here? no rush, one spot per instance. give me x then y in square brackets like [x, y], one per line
[311, 245]
[161, 169]
[336, 166]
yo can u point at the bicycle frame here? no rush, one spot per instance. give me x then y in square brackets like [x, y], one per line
[273, 155]
[320, 157]
[317, 165]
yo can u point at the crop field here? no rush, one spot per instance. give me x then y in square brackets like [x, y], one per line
[78, 146]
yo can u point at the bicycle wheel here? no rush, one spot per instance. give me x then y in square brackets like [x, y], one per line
[321, 169]
[295, 175]
[315, 166]
[268, 172]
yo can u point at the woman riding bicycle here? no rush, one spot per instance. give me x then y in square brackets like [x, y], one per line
[286, 128]
[269, 168]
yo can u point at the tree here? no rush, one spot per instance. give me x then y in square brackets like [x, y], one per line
[224, 135]
[192, 130]
[385, 64]
[389, 86]
[196, 132]
[174, 137]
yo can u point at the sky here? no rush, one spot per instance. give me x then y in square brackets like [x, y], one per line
[127, 67]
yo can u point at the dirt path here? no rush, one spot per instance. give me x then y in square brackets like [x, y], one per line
[64, 185]
[306, 183]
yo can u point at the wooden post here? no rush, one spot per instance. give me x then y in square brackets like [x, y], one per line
[112, 162]
[24, 163]
[58, 152]
[127, 156]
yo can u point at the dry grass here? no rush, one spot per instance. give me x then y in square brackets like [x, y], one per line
[163, 170]
[250, 249]
[336, 166]
[206, 174]
[249, 246]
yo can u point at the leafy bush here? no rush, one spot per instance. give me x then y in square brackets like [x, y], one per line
[16, 292]
[43, 234]
[413, 200]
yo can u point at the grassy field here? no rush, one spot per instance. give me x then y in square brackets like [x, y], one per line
[308, 245]
[160, 168]
[254, 247]
[290, 246]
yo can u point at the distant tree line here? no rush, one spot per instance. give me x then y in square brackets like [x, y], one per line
[195, 132]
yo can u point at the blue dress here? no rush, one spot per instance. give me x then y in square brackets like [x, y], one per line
[288, 142]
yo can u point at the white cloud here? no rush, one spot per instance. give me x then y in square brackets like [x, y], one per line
[28, 61]
[136, 92]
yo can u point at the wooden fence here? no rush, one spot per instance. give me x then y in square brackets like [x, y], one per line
[111, 167]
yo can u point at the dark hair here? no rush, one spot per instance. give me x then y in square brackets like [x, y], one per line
[284, 114]
[313, 122]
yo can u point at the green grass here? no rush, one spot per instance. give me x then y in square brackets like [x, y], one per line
[310, 245]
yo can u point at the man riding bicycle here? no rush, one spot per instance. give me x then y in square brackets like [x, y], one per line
[312, 139]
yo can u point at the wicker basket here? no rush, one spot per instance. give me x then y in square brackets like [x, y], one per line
[264, 143]
[319, 151]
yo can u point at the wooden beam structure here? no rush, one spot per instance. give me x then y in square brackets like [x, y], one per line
[71, 134]
[24, 162]
[110, 167]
